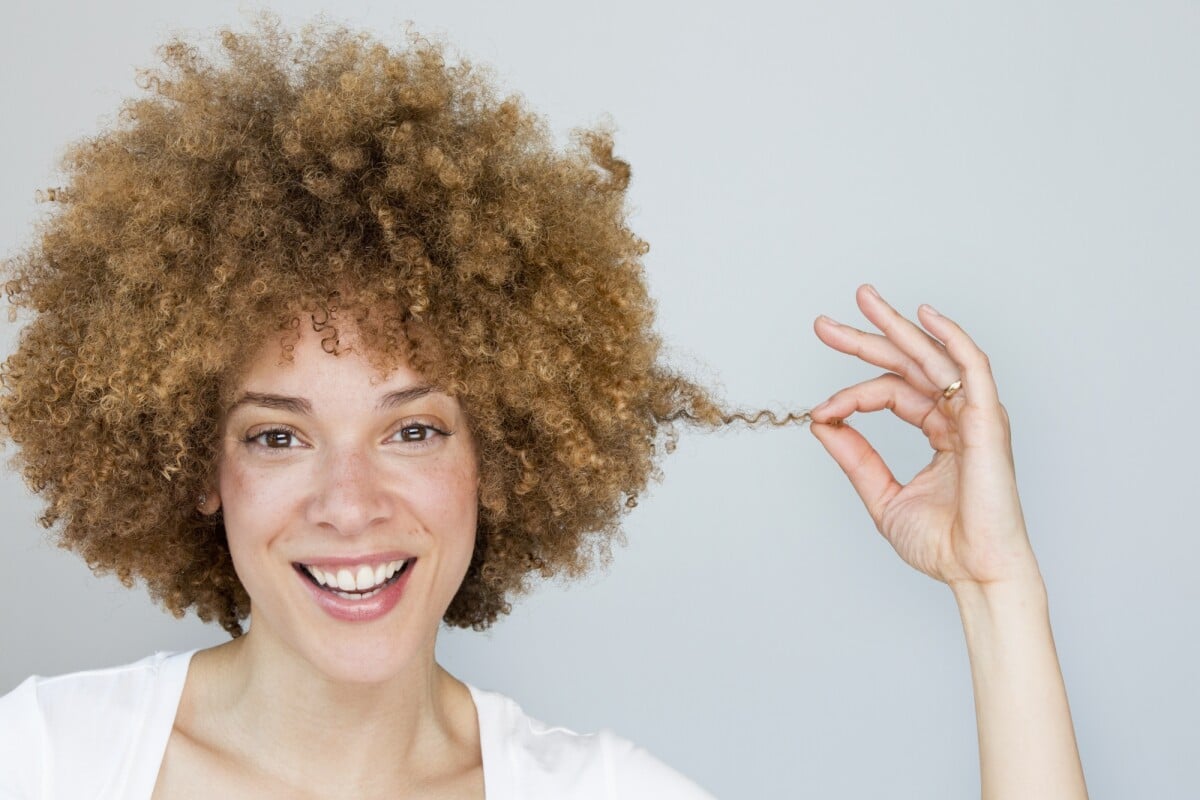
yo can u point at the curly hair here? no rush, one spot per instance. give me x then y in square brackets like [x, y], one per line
[327, 171]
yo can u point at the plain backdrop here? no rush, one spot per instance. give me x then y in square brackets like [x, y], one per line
[1030, 169]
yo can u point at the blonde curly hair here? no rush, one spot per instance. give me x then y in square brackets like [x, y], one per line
[310, 173]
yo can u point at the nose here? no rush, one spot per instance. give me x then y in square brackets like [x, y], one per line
[350, 492]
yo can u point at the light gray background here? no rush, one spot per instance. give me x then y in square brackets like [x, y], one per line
[1030, 169]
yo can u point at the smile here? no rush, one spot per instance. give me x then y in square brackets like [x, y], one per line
[356, 582]
[371, 591]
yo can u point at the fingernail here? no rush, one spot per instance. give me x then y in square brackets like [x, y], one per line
[932, 310]
[871, 289]
[830, 320]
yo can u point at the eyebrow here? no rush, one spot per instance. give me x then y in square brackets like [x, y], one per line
[300, 405]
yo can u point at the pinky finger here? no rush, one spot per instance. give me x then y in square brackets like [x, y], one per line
[979, 387]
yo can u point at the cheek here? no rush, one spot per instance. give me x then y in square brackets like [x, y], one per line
[449, 515]
[449, 501]
[251, 499]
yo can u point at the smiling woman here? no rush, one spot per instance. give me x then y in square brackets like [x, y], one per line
[327, 337]
[354, 351]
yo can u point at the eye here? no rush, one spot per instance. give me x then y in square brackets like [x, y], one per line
[272, 437]
[419, 434]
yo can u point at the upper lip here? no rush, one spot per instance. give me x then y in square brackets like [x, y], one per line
[350, 561]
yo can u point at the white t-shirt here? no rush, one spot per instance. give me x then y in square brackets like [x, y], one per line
[102, 734]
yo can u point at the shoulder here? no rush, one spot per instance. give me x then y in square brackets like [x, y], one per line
[22, 745]
[540, 760]
[80, 718]
[112, 694]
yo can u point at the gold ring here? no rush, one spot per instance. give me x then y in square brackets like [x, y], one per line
[952, 388]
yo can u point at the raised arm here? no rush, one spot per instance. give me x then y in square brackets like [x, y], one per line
[959, 521]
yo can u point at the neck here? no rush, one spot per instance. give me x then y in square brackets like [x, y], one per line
[315, 731]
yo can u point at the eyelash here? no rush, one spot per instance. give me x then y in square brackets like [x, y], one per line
[252, 440]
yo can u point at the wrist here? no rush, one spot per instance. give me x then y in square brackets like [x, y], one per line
[1003, 620]
[996, 593]
[1022, 586]
[996, 616]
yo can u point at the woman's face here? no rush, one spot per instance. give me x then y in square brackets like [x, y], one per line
[331, 473]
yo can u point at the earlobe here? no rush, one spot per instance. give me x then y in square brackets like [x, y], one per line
[208, 501]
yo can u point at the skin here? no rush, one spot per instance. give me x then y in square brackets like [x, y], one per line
[959, 521]
[306, 706]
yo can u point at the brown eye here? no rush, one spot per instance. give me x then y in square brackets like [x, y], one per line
[414, 433]
[273, 439]
[419, 434]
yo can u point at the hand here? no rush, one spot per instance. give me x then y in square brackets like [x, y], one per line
[959, 519]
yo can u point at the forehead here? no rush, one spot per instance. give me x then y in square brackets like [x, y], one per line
[330, 364]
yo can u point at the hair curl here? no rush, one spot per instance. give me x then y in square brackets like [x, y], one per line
[327, 171]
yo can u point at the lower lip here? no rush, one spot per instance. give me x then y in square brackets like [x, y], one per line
[359, 610]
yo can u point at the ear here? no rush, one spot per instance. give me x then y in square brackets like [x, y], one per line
[208, 501]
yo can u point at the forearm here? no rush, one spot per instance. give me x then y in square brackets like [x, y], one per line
[1027, 747]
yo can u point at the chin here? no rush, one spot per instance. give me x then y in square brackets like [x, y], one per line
[363, 674]
[366, 660]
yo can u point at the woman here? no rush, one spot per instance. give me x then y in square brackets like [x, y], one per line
[331, 334]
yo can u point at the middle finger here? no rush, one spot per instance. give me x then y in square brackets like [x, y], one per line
[939, 369]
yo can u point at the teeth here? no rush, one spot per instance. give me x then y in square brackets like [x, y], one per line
[361, 578]
[349, 596]
[364, 578]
